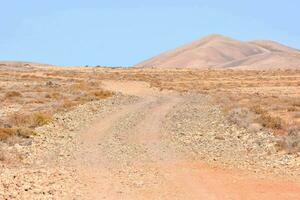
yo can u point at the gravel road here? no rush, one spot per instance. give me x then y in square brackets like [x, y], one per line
[149, 144]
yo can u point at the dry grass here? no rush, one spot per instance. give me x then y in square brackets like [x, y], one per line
[271, 122]
[30, 99]
[7, 132]
[18, 120]
[290, 142]
[102, 94]
[252, 99]
[40, 119]
[11, 94]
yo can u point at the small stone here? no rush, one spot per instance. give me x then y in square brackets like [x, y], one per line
[219, 138]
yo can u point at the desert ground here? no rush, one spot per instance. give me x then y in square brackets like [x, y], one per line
[149, 133]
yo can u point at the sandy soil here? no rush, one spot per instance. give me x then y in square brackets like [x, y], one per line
[128, 154]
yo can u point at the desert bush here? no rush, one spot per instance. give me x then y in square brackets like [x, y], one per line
[40, 119]
[48, 96]
[292, 108]
[291, 142]
[266, 119]
[81, 86]
[271, 122]
[49, 83]
[11, 94]
[18, 119]
[25, 132]
[67, 104]
[102, 93]
[21, 136]
[257, 109]
[241, 116]
[55, 95]
[7, 132]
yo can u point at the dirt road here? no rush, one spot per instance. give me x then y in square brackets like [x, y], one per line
[131, 154]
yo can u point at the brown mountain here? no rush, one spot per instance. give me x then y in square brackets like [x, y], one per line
[217, 51]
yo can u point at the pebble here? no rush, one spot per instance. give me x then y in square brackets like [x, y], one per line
[43, 173]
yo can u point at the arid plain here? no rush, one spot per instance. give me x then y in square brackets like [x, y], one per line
[154, 132]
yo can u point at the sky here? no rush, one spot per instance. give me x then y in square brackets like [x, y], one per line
[125, 32]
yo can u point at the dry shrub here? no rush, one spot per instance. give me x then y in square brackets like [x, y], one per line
[25, 132]
[40, 119]
[12, 94]
[271, 122]
[55, 95]
[102, 93]
[95, 84]
[266, 119]
[251, 119]
[81, 86]
[48, 96]
[258, 110]
[292, 109]
[38, 101]
[19, 119]
[7, 132]
[291, 142]
[21, 137]
[241, 116]
[49, 84]
[16, 139]
[66, 105]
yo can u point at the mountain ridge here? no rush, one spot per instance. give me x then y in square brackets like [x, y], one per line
[218, 51]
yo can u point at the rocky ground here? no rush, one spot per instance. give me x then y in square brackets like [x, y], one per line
[44, 170]
[200, 125]
[146, 144]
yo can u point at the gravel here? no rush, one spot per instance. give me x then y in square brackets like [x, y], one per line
[199, 126]
[193, 127]
[43, 170]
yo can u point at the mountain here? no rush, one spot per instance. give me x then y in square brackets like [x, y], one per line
[217, 51]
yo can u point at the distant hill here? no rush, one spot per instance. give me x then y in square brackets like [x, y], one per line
[19, 65]
[217, 51]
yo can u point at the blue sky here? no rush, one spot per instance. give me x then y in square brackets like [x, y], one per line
[123, 33]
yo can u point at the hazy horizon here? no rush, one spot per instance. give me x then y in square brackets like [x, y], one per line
[120, 33]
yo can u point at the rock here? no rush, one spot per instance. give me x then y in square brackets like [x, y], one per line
[26, 142]
[219, 138]
[255, 127]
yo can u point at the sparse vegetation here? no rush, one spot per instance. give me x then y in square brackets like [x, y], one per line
[102, 94]
[30, 100]
[7, 132]
[251, 99]
[40, 119]
[11, 94]
[18, 120]
[271, 122]
[290, 142]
